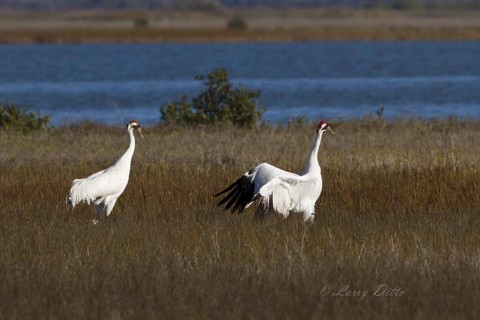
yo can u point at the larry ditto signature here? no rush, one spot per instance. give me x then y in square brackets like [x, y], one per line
[381, 290]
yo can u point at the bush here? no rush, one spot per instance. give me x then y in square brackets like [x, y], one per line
[14, 117]
[237, 23]
[404, 5]
[219, 103]
[140, 22]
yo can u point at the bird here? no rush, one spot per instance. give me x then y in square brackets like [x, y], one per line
[279, 190]
[103, 188]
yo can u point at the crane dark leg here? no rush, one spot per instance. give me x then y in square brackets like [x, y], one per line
[100, 209]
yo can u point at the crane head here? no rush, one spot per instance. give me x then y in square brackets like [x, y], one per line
[324, 126]
[135, 125]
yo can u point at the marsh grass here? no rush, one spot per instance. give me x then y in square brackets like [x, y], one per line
[399, 208]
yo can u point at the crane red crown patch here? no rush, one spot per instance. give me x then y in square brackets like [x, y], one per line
[321, 123]
[133, 121]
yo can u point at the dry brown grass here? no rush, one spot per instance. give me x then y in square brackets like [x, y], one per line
[400, 208]
[263, 25]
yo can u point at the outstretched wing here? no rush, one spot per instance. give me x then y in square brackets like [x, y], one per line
[240, 193]
[243, 192]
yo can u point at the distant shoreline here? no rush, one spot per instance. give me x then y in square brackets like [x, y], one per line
[293, 25]
[98, 36]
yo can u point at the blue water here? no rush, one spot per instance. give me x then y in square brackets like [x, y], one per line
[113, 83]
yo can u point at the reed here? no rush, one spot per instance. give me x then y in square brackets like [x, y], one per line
[399, 210]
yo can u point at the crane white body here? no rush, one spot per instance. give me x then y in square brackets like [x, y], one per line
[279, 190]
[103, 188]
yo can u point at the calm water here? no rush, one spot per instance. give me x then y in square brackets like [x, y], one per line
[331, 80]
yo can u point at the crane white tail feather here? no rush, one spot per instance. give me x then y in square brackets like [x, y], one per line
[97, 187]
[80, 192]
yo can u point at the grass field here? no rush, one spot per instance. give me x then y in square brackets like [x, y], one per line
[396, 231]
[262, 25]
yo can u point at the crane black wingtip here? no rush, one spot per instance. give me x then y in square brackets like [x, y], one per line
[230, 187]
[240, 194]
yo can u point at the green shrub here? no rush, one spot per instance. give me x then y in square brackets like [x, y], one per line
[140, 22]
[14, 117]
[218, 103]
[237, 23]
[404, 5]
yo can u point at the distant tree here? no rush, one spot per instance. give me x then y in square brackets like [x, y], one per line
[140, 22]
[237, 23]
[405, 4]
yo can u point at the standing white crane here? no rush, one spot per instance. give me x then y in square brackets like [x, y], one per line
[104, 187]
[280, 190]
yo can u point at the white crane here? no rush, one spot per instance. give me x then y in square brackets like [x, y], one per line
[104, 187]
[280, 190]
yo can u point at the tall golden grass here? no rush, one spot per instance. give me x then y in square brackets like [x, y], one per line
[396, 231]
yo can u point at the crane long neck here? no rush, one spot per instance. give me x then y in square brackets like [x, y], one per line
[126, 158]
[312, 165]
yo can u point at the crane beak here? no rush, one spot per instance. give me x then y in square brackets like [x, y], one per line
[330, 130]
[139, 130]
